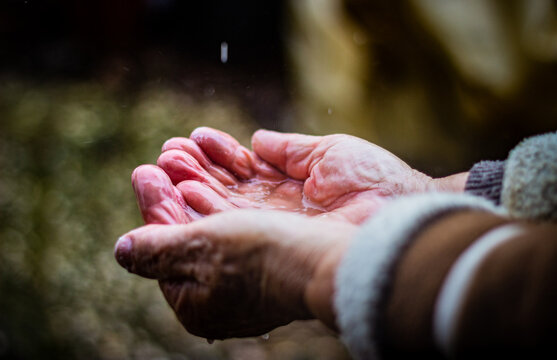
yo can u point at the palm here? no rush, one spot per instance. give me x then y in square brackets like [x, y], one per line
[337, 176]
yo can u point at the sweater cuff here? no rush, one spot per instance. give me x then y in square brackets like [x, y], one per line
[486, 180]
[530, 183]
[367, 269]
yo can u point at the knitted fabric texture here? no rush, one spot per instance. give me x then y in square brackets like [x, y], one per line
[486, 180]
[530, 185]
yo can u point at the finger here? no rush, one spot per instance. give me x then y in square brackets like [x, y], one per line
[190, 213]
[153, 251]
[202, 198]
[293, 154]
[188, 251]
[226, 151]
[181, 251]
[181, 166]
[156, 197]
[189, 146]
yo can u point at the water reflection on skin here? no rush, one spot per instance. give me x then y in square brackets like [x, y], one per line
[283, 195]
[164, 203]
[190, 182]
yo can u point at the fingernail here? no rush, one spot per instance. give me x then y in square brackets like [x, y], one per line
[123, 252]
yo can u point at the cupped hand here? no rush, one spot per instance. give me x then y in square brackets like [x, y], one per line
[242, 272]
[337, 176]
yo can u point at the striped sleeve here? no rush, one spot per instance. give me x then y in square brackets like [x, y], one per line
[447, 276]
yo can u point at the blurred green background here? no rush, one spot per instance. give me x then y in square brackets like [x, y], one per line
[90, 90]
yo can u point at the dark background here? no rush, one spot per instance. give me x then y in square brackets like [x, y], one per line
[129, 42]
[89, 90]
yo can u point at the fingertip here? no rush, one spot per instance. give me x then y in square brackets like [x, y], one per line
[200, 131]
[156, 196]
[188, 214]
[224, 150]
[290, 152]
[123, 252]
[263, 136]
[213, 142]
[180, 165]
[139, 251]
[151, 185]
[144, 171]
[172, 143]
[270, 146]
[189, 146]
[258, 133]
[262, 133]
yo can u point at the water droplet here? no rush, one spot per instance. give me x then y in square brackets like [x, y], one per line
[265, 336]
[329, 111]
[210, 341]
[224, 52]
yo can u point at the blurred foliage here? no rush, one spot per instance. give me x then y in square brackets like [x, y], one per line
[67, 150]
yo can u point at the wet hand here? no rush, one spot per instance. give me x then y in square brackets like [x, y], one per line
[338, 176]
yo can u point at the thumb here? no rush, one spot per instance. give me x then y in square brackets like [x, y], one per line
[172, 251]
[158, 251]
[291, 153]
[158, 200]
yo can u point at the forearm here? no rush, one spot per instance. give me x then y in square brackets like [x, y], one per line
[396, 295]
[442, 296]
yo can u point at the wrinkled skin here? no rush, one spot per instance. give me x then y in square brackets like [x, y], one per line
[338, 176]
[238, 273]
[245, 272]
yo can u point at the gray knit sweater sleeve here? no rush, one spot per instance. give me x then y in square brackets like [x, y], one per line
[486, 180]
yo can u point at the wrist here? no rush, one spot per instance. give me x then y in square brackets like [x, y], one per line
[452, 183]
[419, 183]
[320, 290]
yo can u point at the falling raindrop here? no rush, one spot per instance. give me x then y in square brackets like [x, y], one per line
[330, 111]
[224, 52]
[265, 337]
